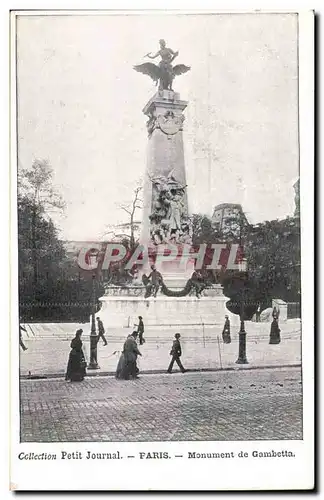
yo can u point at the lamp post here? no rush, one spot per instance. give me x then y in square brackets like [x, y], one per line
[93, 365]
[242, 360]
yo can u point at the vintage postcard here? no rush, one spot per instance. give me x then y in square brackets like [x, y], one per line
[161, 220]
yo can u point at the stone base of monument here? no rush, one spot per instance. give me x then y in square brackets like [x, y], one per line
[120, 307]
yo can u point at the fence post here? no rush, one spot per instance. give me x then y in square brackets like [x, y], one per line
[204, 343]
[219, 350]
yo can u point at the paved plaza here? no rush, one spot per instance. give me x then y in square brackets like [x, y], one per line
[203, 349]
[224, 405]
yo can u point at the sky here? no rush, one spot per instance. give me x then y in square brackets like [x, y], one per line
[80, 107]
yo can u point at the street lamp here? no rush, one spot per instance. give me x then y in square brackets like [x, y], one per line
[93, 365]
[241, 360]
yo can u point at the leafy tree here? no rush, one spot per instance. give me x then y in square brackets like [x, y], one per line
[273, 253]
[272, 250]
[35, 185]
[50, 284]
[62, 292]
[203, 230]
[40, 253]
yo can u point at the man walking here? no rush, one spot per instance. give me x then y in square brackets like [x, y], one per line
[101, 331]
[176, 353]
[140, 330]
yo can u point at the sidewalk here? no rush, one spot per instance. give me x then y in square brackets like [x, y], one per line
[48, 352]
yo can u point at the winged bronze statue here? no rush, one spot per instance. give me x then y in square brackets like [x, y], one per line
[164, 73]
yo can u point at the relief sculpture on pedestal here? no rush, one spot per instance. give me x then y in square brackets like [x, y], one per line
[169, 218]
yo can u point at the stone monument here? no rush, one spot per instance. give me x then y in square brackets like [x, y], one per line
[171, 293]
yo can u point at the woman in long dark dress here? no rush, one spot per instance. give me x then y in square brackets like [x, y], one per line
[76, 368]
[121, 371]
[275, 332]
[127, 367]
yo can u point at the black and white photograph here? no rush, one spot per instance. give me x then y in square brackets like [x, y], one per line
[158, 302]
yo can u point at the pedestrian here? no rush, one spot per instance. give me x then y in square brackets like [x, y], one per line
[76, 368]
[131, 352]
[176, 354]
[101, 331]
[226, 334]
[275, 313]
[258, 313]
[140, 330]
[274, 332]
[21, 342]
[121, 371]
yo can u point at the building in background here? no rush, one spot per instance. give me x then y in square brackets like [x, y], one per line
[229, 219]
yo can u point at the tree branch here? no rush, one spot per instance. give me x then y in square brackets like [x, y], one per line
[126, 210]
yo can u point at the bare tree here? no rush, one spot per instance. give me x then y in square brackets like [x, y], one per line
[130, 209]
[128, 229]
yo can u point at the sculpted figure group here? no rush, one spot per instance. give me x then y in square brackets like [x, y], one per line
[168, 219]
[154, 282]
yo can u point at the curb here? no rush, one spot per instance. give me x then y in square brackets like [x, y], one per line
[157, 372]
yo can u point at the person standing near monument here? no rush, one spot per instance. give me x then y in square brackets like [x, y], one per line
[140, 330]
[275, 332]
[227, 331]
[275, 313]
[176, 354]
[101, 331]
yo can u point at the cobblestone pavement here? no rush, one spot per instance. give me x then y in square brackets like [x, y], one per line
[240, 405]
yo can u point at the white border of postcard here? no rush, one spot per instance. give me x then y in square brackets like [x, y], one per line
[241, 474]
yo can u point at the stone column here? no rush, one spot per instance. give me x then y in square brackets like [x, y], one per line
[165, 214]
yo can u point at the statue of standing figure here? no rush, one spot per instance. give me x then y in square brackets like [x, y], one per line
[164, 73]
[176, 208]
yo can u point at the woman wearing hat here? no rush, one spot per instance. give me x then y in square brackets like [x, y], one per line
[76, 368]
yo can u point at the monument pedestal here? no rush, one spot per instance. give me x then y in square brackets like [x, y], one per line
[121, 307]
